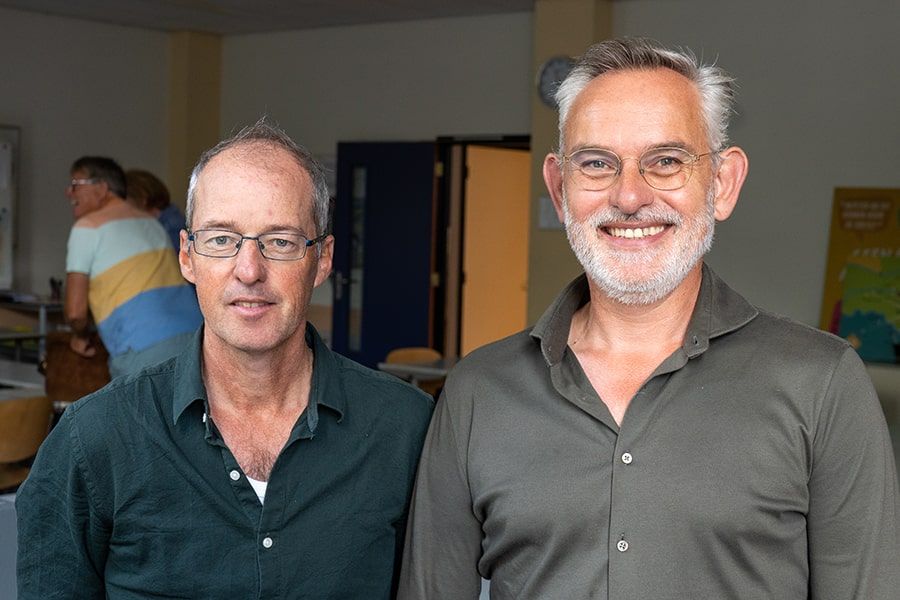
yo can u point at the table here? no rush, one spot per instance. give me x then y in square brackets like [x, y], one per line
[42, 307]
[8, 547]
[17, 337]
[22, 376]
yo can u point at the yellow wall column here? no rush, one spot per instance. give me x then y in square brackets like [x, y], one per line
[561, 27]
[195, 82]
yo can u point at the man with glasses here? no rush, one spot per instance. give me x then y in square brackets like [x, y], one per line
[654, 435]
[255, 464]
[121, 271]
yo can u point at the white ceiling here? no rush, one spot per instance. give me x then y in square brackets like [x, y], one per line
[249, 16]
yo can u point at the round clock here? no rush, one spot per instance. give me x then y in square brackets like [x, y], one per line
[550, 75]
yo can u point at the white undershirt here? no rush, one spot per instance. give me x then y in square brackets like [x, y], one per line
[259, 487]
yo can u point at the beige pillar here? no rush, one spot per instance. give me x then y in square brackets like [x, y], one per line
[561, 27]
[195, 82]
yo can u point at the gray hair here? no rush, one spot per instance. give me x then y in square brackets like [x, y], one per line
[264, 132]
[713, 83]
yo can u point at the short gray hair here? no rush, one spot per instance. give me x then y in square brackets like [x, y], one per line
[266, 133]
[716, 87]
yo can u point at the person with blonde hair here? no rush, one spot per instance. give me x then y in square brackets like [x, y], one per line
[148, 193]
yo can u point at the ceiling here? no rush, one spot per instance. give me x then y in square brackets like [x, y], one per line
[253, 16]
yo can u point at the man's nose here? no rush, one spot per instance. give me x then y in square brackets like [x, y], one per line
[630, 192]
[250, 264]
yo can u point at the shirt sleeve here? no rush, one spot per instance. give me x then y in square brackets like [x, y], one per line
[81, 249]
[62, 541]
[443, 536]
[854, 538]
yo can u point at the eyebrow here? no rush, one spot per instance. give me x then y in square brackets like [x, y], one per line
[232, 226]
[667, 144]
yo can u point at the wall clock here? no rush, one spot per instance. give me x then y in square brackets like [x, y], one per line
[550, 75]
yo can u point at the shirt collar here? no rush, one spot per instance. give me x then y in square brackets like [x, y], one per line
[188, 386]
[719, 310]
[326, 388]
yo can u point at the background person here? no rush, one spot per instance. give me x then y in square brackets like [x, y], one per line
[150, 194]
[121, 271]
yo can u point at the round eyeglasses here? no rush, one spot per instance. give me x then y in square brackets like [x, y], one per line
[220, 243]
[667, 169]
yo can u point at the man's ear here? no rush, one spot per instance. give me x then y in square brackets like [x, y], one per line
[729, 179]
[553, 179]
[326, 256]
[184, 258]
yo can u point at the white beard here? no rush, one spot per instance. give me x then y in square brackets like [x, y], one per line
[630, 277]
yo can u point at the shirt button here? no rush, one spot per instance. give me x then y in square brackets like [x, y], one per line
[235, 475]
[622, 546]
[627, 458]
[267, 542]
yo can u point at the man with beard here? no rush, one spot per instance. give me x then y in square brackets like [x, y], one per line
[654, 435]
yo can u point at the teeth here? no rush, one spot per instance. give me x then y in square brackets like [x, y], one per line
[623, 232]
[249, 304]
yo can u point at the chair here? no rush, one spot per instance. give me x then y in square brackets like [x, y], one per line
[415, 354]
[70, 376]
[24, 423]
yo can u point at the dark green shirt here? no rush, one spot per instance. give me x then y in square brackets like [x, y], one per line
[135, 495]
[753, 463]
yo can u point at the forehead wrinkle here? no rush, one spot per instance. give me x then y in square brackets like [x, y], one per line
[619, 98]
[255, 161]
[232, 226]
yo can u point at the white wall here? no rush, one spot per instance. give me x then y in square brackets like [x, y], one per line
[74, 88]
[394, 81]
[819, 108]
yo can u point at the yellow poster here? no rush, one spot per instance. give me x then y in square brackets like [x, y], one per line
[861, 301]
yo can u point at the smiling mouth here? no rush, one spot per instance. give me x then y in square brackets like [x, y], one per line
[634, 232]
[244, 304]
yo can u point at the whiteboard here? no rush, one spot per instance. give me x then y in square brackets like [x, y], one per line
[9, 181]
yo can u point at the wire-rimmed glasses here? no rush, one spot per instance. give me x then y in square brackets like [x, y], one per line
[279, 245]
[667, 169]
[74, 183]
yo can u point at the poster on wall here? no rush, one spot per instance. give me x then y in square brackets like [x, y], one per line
[861, 301]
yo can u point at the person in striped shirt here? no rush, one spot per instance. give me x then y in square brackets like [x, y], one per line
[122, 274]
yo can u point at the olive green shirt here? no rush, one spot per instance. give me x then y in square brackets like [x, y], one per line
[135, 494]
[754, 462]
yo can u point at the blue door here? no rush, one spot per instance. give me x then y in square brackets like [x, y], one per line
[383, 255]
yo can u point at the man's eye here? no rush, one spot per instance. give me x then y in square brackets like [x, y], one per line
[596, 164]
[667, 161]
[220, 240]
[664, 162]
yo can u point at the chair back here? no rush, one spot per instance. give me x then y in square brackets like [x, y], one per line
[417, 354]
[70, 376]
[412, 354]
[24, 423]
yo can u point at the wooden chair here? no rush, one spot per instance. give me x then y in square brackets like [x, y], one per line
[24, 423]
[415, 354]
[71, 376]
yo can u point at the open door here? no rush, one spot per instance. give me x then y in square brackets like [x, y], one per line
[383, 258]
